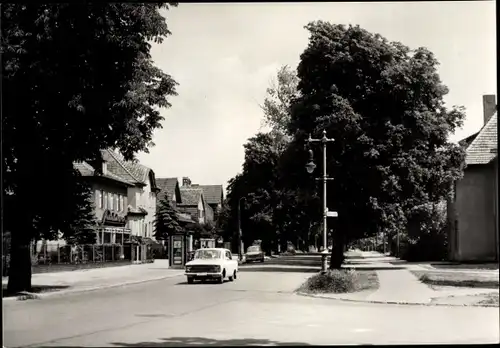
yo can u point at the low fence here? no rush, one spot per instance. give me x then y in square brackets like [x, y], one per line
[50, 254]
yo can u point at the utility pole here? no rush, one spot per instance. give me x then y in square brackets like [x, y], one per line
[240, 233]
[310, 166]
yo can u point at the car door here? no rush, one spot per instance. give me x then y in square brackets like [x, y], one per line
[230, 262]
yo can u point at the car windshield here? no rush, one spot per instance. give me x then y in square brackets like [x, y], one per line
[206, 254]
[253, 249]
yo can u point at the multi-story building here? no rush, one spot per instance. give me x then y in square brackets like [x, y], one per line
[110, 192]
[194, 204]
[214, 196]
[141, 196]
[125, 197]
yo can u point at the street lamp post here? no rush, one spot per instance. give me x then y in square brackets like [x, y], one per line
[240, 234]
[310, 166]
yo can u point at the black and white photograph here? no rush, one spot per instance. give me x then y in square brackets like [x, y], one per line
[249, 174]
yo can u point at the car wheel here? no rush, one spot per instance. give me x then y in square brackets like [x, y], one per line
[235, 274]
[221, 279]
[262, 260]
[190, 280]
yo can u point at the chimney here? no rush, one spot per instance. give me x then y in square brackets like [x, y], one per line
[186, 181]
[489, 106]
[104, 168]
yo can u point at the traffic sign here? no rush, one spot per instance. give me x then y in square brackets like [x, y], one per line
[332, 214]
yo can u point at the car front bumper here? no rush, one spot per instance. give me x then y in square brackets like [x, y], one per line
[200, 275]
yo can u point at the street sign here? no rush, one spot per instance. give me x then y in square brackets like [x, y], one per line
[332, 214]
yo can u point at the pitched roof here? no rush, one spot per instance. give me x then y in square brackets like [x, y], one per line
[483, 148]
[167, 187]
[213, 194]
[86, 169]
[467, 141]
[128, 170]
[190, 195]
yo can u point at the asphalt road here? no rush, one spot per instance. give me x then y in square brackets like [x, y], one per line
[259, 308]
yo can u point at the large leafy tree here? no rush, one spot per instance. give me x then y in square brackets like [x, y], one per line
[383, 104]
[77, 78]
[166, 220]
[278, 100]
[275, 208]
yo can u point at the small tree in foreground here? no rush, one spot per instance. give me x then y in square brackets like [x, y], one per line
[166, 220]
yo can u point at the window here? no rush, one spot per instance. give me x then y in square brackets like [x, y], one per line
[110, 201]
[228, 255]
[125, 205]
[105, 200]
[98, 199]
[115, 202]
[120, 207]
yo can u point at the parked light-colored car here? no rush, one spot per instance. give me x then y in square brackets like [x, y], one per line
[254, 253]
[212, 263]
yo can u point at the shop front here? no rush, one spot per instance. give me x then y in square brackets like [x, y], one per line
[112, 229]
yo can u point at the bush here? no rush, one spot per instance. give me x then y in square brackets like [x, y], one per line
[340, 281]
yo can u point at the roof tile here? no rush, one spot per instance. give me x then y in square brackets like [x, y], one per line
[213, 194]
[481, 150]
[190, 196]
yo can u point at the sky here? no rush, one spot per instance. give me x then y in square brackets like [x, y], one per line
[224, 56]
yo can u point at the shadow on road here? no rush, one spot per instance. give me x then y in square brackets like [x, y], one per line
[279, 269]
[202, 341]
[36, 289]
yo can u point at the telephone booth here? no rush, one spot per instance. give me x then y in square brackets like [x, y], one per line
[179, 246]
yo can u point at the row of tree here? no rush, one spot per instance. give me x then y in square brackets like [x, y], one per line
[77, 78]
[383, 104]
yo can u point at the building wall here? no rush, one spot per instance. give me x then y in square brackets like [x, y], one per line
[103, 190]
[209, 214]
[475, 215]
[148, 202]
[201, 212]
[142, 197]
[189, 209]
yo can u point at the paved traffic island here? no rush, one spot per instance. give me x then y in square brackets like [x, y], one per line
[461, 287]
[408, 284]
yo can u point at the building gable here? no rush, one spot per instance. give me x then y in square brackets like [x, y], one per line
[483, 149]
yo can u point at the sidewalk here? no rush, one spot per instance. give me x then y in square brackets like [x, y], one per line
[100, 278]
[397, 285]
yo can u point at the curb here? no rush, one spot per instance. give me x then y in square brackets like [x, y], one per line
[393, 302]
[33, 296]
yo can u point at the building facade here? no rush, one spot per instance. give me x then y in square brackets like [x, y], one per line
[194, 204]
[124, 198]
[214, 196]
[473, 210]
[141, 196]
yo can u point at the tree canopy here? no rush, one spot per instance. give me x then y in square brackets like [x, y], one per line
[166, 220]
[77, 78]
[383, 104]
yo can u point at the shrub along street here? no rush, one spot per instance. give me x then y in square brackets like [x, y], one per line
[341, 281]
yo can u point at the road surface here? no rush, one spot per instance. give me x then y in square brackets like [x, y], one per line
[259, 308]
